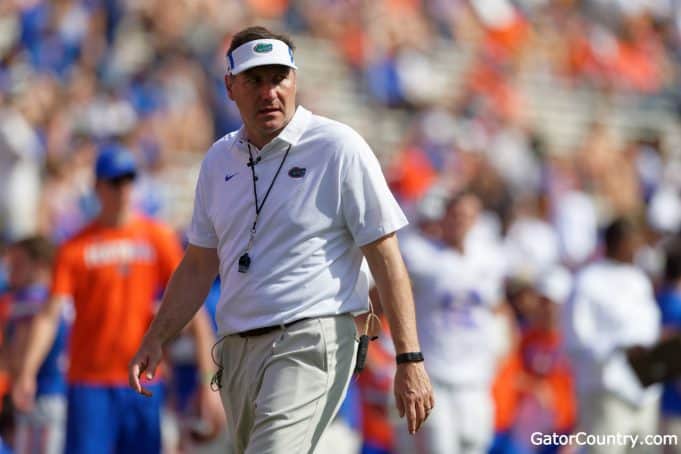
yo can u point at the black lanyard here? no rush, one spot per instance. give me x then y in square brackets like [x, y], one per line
[245, 260]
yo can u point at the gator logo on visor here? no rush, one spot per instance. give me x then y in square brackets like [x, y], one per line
[263, 48]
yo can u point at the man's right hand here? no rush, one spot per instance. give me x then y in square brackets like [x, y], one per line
[413, 394]
[23, 392]
[145, 362]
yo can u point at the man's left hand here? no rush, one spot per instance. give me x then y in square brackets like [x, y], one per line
[413, 394]
[145, 362]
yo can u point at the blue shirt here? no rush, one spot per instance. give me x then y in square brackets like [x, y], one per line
[670, 306]
[211, 303]
[25, 305]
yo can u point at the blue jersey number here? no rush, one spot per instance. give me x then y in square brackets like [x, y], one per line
[458, 308]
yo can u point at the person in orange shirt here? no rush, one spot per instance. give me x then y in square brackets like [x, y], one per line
[113, 272]
[548, 402]
[506, 395]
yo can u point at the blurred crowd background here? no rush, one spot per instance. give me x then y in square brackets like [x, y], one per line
[560, 115]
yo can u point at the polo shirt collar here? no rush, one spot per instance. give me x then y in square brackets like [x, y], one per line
[290, 135]
[296, 127]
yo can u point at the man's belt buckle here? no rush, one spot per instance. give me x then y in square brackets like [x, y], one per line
[267, 329]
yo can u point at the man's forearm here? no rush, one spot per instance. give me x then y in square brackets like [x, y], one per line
[392, 281]
[399, 310]
[184, 295]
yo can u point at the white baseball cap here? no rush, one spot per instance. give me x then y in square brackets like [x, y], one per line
[260, 52]
[555, 284]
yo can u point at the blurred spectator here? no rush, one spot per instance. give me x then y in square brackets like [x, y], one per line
[609, 174]
[43, 428]
[561, 115]
[576, 224]
[548, 403]
[531, 243]
[21, 154]
[506, 393]
[669, 299]
[68, 202]
[3, 268]
[613, 309]
[128, 259]
[456, 297]
[375, 387]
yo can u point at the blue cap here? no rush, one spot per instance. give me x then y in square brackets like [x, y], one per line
[114, 162]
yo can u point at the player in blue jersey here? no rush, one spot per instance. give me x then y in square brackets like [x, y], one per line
[669, 299]
[41, 428]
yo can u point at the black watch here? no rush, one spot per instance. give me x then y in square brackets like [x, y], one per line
[410, 357]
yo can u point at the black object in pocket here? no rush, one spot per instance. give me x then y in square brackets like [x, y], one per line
[362, 350]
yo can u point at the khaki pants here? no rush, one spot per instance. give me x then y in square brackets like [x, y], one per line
[282, 389]
[605, 413]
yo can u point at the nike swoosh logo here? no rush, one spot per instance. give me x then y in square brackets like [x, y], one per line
[229, 177]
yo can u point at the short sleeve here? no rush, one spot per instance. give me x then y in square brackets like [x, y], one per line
[369, 208]
[201, 230]
[64, 272]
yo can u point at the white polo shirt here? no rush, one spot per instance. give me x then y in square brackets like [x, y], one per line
[330, 198]
[612, 307]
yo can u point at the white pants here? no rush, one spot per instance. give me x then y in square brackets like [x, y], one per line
[462, 421]
[605, 413]
[282, 389]
[43, 430]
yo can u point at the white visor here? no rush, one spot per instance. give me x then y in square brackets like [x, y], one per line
[259, 53]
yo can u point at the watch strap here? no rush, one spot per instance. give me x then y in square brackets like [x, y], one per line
[409, 357]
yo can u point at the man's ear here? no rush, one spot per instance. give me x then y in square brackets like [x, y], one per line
[229, 80]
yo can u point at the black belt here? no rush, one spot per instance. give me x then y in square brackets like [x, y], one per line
[267, 329]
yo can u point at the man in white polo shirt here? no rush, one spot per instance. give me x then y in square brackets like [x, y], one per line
[285, 209]
[613, 309]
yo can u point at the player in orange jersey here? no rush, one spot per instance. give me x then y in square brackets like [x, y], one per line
[113, 271]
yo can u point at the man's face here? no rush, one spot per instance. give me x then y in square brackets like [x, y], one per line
[115, 196]
[460, 218]
[266, 98]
